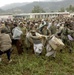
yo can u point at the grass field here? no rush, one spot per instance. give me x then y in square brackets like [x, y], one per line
[30, 64]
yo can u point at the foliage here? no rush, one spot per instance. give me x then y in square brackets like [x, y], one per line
[62, 9]
[38, 9]
[70, 8]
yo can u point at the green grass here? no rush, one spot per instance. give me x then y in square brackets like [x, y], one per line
[29, 64]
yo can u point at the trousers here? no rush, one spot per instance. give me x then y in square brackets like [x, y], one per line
[8, 52]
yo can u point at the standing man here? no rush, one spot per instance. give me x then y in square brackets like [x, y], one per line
[5, 44]
[65, 32]
[53, 28]
[16, 31]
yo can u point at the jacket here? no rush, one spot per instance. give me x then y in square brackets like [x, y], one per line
[5, 42]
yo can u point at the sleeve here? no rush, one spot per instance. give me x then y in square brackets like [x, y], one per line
[49, 32]
[70, 31]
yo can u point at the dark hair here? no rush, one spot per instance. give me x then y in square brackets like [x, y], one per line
[28, 23]
[67, 24]
[3, 31]
[15, 25]
[6, 23]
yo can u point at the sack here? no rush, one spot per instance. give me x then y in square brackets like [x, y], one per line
[17, 33]
[56, 43]
[38, 48]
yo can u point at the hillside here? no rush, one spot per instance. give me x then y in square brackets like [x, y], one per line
[1, 11]
[46, 5]
[13, 5]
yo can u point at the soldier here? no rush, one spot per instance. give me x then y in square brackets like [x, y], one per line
[31, 26]
[35, 27]
[23, 35]
[28, 41]
[8, 29]
[64, 36]
[44, 30]
[17, 38]
[53, 28]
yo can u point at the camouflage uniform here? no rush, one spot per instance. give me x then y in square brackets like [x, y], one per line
[53, 29]
[64, 36]
[28, 41]
[46, 32]
[8, 29]
[23, 36]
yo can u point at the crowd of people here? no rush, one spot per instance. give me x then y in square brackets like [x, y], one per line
[27, 34]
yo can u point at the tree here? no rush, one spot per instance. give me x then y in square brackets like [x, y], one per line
[62, 9]
[38, 9]
[70, 8]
